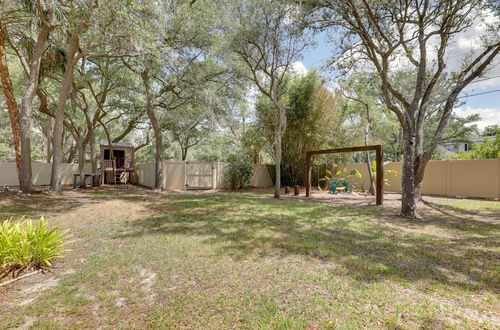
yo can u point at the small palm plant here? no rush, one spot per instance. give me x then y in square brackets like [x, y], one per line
[387, 173]
[28, 246]
[340, 178]
[328, 179]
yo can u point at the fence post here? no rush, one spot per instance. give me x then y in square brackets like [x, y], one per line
[308, 174]
[380, 176]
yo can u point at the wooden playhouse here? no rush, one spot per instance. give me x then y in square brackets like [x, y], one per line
[117, 162]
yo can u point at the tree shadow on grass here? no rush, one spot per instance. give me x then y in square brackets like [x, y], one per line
[469, 221]
[36, 206]
[360, 240]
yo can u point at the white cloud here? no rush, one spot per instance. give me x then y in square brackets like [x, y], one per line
[299, 68]
[463, 45]
[489, 116]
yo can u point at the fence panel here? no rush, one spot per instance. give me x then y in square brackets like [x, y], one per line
[199, 175]
[453, 178]
[474, 178]
[468, 178]
[146, 174]
[41, 173]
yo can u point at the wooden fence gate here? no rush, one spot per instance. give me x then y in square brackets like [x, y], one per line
[199, 175]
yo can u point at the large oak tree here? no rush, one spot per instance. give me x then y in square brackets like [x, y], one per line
[414, 37]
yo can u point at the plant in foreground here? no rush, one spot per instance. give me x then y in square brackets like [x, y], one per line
[28, 246]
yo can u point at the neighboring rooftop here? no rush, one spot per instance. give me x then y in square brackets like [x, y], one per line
[454, 147]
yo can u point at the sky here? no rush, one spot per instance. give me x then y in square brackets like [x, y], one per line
[486, 105]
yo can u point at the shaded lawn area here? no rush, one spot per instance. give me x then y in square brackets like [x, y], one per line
[146, 259]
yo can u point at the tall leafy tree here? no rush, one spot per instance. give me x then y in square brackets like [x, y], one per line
[313, 122]
[34, 34]
[175, 44]
[267, 40]
[82, 22]
[10, 99]
[413, 37]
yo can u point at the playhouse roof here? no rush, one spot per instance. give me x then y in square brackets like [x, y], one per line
[117, 144]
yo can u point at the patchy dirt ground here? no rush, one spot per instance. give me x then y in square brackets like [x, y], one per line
[139, 258]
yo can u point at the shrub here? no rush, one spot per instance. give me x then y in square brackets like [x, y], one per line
[28, 246]
[239, 172]
[489, 149]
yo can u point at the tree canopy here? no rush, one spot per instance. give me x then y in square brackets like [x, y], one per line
[209, 80]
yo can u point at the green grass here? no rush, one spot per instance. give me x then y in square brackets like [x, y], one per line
[473, 205]
[242, 260]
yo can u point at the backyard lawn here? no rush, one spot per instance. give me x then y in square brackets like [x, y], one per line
[243, 260]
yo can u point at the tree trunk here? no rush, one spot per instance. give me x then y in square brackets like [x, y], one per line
[47, 131]
[278, 135]
[57, 144]
[370, 173]
[93, 157]
[27, 104]
[277, 160]
[419, 171]
[158, 150]
[49, 150]
[408, 200]
[47, 125]
[10, 100]
[73, 149]
[183, 154]
[368, 159]
[91, 142]
[157, 132]
[81, 161]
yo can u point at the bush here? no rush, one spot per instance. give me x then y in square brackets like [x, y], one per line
[239, 172]
[489, 149]
[28, 246]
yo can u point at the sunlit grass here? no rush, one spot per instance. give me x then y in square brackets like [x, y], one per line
[247, 261]
[473, 205]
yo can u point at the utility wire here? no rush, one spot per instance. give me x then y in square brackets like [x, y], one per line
[464, 96]
[488, 92]
[488, 78]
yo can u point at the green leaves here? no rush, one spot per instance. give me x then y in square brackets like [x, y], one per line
[239, 172]
[25, 246]
[387, 173]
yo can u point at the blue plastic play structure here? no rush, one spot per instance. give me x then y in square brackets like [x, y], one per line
[335, 186]
[346, 185]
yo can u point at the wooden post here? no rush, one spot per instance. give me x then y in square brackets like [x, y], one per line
[287, 190]
[308, 174]
[380, 175]
[296, 190]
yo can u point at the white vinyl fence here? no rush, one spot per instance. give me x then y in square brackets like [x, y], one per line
[41, 173]
[467, 178]
[197, 175]
[478, 178]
